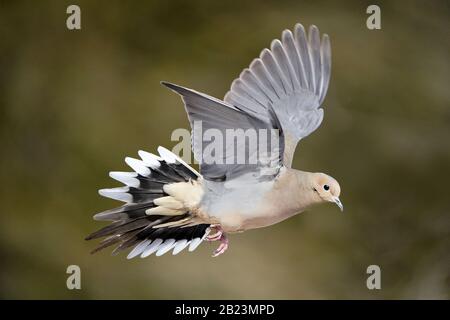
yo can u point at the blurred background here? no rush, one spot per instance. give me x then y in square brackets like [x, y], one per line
[73, 104]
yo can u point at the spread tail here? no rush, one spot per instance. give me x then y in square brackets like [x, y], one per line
[152, 218]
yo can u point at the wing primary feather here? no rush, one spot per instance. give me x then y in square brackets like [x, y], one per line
[325, 55]
[314, 52]
[302, 46]
[292, 59]
[283, 63]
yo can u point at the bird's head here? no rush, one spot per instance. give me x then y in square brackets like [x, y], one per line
[327, 189]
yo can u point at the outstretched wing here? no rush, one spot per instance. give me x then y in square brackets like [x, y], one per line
[292, 79]
[228, 142]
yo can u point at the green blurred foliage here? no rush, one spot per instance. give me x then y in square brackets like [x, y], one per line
[73, 104]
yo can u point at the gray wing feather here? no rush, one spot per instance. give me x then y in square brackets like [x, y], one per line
[215, 114]
[325, 56]
[292, 78]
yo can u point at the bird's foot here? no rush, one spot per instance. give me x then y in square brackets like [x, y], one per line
[219, 235]
[222, 247]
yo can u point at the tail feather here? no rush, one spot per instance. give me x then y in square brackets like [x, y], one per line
[127, 211]
[150, 220]
[119, 227]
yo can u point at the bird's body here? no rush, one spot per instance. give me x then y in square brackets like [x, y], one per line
[169, 205]
[242, 206]
[238, 207]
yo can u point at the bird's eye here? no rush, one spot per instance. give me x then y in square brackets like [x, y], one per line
[326, 187]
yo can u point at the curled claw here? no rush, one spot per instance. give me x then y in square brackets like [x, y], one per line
[215, 236]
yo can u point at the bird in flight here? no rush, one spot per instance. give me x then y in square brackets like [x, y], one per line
[170, 206]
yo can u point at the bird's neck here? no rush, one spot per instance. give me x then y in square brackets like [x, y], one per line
[295, 191]
[305, 188]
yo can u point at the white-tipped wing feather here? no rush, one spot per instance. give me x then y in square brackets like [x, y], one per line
[170, 157]
[127, 178]
[150, 159]
[119, 193]
[152, 247]
[180, 246]
[138, 166]
[138, 249]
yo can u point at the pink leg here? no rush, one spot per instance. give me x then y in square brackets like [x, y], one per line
[223, 245]
[219, 235]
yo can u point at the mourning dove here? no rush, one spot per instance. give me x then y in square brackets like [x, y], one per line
[171, 206]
